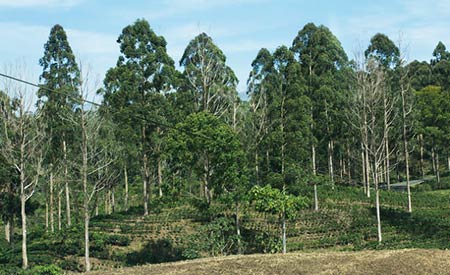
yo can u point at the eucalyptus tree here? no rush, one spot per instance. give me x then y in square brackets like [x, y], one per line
[258, 120]
[58, 98]
[321, 57]
[135, 89]
[209, 77]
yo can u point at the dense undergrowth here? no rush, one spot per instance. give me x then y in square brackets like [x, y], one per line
[177, 230]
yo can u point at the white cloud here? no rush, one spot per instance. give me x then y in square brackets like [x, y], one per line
[39, 3]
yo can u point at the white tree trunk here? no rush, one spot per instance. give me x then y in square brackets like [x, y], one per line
[126, 188]
[66, 178]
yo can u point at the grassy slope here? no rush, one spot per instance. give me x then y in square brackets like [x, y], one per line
[346, 221]
[409, 262]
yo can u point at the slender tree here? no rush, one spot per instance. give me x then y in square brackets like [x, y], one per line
[58, 98]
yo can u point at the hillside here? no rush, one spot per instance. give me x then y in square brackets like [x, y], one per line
[415, 261]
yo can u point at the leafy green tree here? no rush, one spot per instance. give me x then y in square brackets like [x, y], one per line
[135, 89]
[383, 50]
[209, 147]
[322, 58]
[274, 201]
[58, 98]
[207, 75]
[433, 114]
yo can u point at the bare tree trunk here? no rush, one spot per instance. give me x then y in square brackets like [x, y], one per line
[238, 230]
[330, 161]
[160, 177]
[448, 162]
[46, 215]
[125, 173]
[377, 203]
[205, 180]
[145, 172]
[405, 145]
[284, 233]
[256, 166]
[363, 166]
[52, 220]
[437, 169]
[113, 200]
[422, 169]
[23, 197]
[59, 211]
[433, 160]
[24, 224]
[349, 165]
[368, 173]
[66, 179]
[84, 171]
[316, 199]
[8, 231]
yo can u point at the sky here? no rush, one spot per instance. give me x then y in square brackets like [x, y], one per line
[239, 27]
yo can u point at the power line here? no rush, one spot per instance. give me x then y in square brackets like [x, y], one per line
[82, 100]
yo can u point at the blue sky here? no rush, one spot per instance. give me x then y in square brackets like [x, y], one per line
[239, 27]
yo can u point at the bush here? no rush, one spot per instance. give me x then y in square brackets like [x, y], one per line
[44, 270]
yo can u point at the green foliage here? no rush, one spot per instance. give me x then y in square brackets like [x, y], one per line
[45, 270]
[215, 238]
[271, 200]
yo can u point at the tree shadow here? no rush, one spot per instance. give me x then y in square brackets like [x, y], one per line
[159, 251]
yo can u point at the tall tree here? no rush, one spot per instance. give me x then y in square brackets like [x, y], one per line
[22, 147]
[321, 57]
[135, 88]
[58, 98]
[208, 76]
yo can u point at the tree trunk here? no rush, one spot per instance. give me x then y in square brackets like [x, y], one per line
[125, 173]
[145, 183]
[433, 160]
[422, 169]
[206, 179]
[368, 173]
[316, 199]
[406, 152]
[84, 171]
[59, 211]
[256, 166]
[448, 162]
[437, 169]
[363, 166]
[52, 219]
[24, 225]
[160, 177]
[66, 179]
[238, 230]
[330, 161]
[46, 215]
[23, 197]
[8, 231]
[145, 172]
[113, 200]
[377, 203]
[284, 233]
